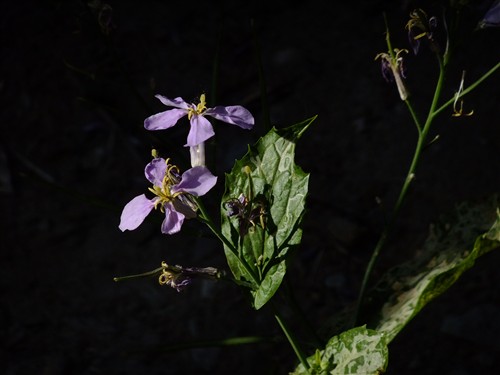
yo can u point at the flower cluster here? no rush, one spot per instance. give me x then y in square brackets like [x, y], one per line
[173, 192]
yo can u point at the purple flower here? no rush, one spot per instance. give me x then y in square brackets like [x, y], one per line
[419, 26]
[201, 129]
[172, 195]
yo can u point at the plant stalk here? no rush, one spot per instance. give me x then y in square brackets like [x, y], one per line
[291, 339]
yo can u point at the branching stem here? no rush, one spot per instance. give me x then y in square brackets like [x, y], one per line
[423, 131]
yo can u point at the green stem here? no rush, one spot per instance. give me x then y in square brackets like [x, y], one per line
[291, 339]
[467, 90]
[414, 116]
[144, 274]
[421, 142]
[205, 218]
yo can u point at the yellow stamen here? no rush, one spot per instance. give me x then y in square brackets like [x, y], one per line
[163, 192]
[199, 109]
[202, 105]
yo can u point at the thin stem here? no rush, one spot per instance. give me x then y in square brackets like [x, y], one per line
[414, 116]
[291, 339]
[422, 136]
[144, 274]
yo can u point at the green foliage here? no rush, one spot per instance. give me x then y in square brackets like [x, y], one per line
[357, 351]
[451, 248]
[266, 226]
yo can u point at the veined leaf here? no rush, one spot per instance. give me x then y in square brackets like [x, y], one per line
[357, 351]
[268, 191]
[451, 248]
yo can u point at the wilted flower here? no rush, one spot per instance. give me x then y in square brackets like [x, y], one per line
[393, 69]
[176, 280]
[419, 26]
[248, 213]
[201, 129]
[179, 277]
[172, 195]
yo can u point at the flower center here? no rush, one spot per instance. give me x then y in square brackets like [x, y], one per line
[199, 109]
[163, 193]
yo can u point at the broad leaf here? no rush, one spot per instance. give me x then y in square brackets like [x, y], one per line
[265, 192]
[451, 248]
[357, 351]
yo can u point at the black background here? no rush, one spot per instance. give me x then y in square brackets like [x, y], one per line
[73, 149]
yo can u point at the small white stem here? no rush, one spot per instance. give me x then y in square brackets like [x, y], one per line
[197, 155]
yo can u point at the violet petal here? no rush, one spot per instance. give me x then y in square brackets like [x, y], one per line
[155, 171]
[236, 115]
[173, 220]
[200, 131]
[196, 181]
[164, 120]
[176, 103]
[414, 43]
[386, 70]
[135, 212]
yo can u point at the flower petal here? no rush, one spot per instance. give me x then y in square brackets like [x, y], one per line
[201, 130]
[173, 220]
[236, 115]
[155, 171]
[164, 120]
[135, 212]
[196, 181]
[176, 103]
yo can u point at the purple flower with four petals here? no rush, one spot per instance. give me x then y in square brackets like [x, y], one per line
[172, 195]
[201, 129]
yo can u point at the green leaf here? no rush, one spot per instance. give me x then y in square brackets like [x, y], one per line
[357, 351]
[451, 248]
[269, 285]
[267, 225]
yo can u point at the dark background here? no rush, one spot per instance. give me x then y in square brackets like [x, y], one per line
[73, 149]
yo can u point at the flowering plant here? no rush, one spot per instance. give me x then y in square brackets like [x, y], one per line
[264, 203]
